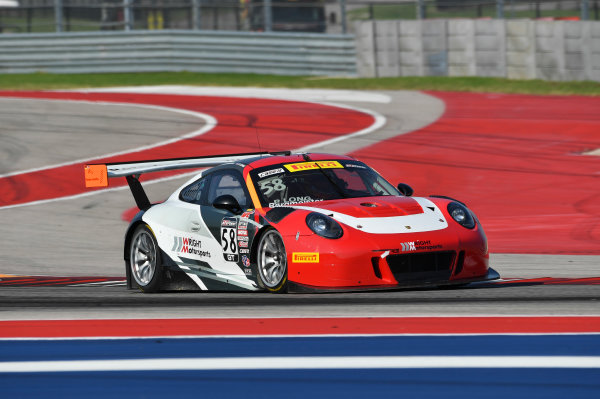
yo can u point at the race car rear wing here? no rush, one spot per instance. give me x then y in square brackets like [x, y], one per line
[97, 175]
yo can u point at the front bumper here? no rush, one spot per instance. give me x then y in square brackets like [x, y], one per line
[295, 287]
[360, 261]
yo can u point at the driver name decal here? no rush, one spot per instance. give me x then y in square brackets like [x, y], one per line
[292, 201]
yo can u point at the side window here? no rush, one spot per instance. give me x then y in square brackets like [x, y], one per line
[228, 182]
[193, 192]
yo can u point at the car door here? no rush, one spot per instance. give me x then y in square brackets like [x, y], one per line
[226, 234]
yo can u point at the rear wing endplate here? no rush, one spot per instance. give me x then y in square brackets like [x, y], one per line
[97, 175]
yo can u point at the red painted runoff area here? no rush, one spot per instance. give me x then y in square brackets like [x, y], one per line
[296, 326]
[516, 160]
[279, 124]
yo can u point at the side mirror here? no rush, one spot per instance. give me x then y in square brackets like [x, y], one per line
[405, 189]
[227, 202]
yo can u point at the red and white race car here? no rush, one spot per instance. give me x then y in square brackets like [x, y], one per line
[293, 222]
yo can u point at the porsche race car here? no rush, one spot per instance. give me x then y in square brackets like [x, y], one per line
[293, 222]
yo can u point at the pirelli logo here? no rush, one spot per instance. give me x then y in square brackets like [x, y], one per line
[305, 257]
[297, 167]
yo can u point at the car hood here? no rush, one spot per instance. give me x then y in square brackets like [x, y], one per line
[383, 215]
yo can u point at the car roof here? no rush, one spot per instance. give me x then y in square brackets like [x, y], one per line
[259, 162]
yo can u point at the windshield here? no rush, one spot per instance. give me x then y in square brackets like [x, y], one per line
[300, 182]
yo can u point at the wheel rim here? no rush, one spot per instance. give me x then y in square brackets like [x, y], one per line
[143, 258]
[272, 261]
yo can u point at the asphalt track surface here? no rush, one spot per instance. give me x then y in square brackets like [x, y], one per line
[534, 334]
[82, 236]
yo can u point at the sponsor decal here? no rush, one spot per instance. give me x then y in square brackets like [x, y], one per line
[408, 246]
[229, 239]
[230, 257]
[228, 222]
[248, 272]
[245, 261]
[354, 165]
[242, 232]
[247, 214]
[270, 172]
[419, 246]
[243, 244]
[297, 167]
[189, 246]
[292, 201]
[242, 238]
[244, 251]
[242, 225]
[305, 257]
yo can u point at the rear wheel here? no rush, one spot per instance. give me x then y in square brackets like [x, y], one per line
[272, 261]
[144, 259]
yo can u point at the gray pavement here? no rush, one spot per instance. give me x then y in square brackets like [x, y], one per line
[118, 302]
[83, 236]
[39, 133]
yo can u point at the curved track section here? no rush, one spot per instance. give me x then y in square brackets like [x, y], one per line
[521, 162]
[242, 125]
[489, 136]
[529, 336]
[432, 139]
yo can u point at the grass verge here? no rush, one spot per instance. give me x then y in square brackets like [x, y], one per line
[46, 81]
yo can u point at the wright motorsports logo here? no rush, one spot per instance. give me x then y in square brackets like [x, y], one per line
[408, 246]
[419, 246]
[189, 246]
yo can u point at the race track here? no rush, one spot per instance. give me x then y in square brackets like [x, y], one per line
[52, 227]
[50, 134]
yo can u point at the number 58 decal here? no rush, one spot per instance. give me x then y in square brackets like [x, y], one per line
[229, 239]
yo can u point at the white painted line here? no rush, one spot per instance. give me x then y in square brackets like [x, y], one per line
[595, 152]
[315, 96]
[285, 336]
[107, 190]
[310, 362]
[311, 95]
[380, 121]
[209, 123]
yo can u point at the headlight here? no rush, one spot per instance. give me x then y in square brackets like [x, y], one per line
[461, 215]
[323, 225]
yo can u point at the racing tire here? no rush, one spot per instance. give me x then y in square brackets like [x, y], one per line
[271, 260]
[144, 260]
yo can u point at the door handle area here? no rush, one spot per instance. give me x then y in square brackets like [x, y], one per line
[195, 227]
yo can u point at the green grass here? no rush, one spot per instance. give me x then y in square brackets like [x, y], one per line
[45, 81]
[409, 11]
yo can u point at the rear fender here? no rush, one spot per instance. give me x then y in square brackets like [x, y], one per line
[135, 222]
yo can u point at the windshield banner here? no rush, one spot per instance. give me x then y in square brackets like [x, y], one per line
[297, 167]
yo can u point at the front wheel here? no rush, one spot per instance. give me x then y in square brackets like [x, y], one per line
[144, 259]
[272, 262]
